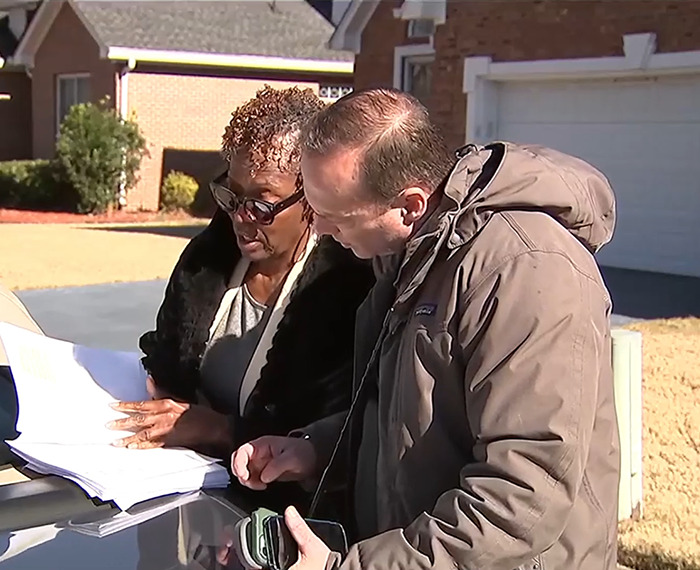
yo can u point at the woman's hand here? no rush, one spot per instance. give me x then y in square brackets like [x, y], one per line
[167, 423]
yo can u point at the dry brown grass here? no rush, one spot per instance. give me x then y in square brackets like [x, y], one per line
[668, 536]
[60, 255]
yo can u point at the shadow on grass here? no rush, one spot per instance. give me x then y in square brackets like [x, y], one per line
[646, 558]
[181, 231]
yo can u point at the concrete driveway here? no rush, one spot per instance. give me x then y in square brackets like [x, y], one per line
[106, 316]
[115, 315]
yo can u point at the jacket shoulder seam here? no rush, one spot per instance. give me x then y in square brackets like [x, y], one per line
[518, 230]
[503, 262]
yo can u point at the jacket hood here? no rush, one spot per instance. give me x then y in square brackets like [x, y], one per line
[507, 177]
[533, 178]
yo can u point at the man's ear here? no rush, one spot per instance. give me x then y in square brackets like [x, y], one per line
[414, 204]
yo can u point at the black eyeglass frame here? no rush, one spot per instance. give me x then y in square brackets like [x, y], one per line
[259, 211]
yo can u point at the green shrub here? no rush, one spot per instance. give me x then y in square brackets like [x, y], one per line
[34, 185]
[97, 150]
[178, 191]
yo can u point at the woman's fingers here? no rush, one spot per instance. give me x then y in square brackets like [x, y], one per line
[145, 439]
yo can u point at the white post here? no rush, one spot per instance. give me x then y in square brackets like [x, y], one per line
[627, 372]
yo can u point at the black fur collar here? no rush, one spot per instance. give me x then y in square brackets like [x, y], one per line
[314, 338]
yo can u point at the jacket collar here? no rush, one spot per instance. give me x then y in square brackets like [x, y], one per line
[474, 170]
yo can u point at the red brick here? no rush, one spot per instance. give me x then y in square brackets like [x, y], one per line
[520, 30]
[67, 48]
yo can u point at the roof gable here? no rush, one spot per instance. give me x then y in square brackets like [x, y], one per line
[348, 34]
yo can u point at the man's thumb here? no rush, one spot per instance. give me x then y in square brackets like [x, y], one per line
[299, 529]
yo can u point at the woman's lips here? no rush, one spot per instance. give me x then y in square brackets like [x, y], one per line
[248, 243]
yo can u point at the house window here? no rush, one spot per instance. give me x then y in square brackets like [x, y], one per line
[413, 70]
[421, 28]
[417, 77]
[70, 90]
[332, 93]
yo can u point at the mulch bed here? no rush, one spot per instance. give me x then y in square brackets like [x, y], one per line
[8, 216]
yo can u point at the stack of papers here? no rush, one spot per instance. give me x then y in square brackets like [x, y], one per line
[64, 393]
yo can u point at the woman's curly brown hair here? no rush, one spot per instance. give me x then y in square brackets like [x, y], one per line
[268, 127]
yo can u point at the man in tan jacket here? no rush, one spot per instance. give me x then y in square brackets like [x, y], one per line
[483, 433]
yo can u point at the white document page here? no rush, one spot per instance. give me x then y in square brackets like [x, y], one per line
[64, 393]
[65, 390]
[126, 476]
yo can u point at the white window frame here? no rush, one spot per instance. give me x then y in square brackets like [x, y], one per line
[57, 103]
[404, 55]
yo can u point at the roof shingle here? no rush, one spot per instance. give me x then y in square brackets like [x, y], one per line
[285, 28]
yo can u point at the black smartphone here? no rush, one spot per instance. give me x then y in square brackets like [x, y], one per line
[282, 550]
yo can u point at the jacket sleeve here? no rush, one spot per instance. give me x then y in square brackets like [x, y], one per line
[532, 338]
[324, 435]
[161, 347]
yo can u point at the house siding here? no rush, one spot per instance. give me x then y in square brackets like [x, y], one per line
[67, 48]
[15, 116]
[519, 30]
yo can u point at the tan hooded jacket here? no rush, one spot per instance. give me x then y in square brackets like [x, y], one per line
[486, 436]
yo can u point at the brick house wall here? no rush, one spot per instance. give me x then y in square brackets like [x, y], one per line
[182, 110]
[374, 66]
[67, 48]
[519, 30]
[16, 116]
[183, 116]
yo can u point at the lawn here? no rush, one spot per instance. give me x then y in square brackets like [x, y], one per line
[668, 536]
[61, 255]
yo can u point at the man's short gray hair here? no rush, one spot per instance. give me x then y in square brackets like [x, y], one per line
[400, 146]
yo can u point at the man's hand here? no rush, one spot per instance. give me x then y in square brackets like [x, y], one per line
[313, 553]
[273, 458]
[167, 423]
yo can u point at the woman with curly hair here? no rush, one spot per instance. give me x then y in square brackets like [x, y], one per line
[255, 333]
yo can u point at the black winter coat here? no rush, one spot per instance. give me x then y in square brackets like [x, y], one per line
[309, 365]
[307, 374]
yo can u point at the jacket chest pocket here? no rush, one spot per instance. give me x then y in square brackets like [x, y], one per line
[415, 362]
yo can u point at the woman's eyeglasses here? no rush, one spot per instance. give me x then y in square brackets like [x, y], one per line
[258, 211]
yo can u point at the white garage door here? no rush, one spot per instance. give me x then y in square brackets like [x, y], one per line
[644, 135]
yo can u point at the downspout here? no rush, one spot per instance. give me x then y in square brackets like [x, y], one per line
[124, 113]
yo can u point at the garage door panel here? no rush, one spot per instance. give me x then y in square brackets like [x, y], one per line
[658, 100]
[645, 139]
